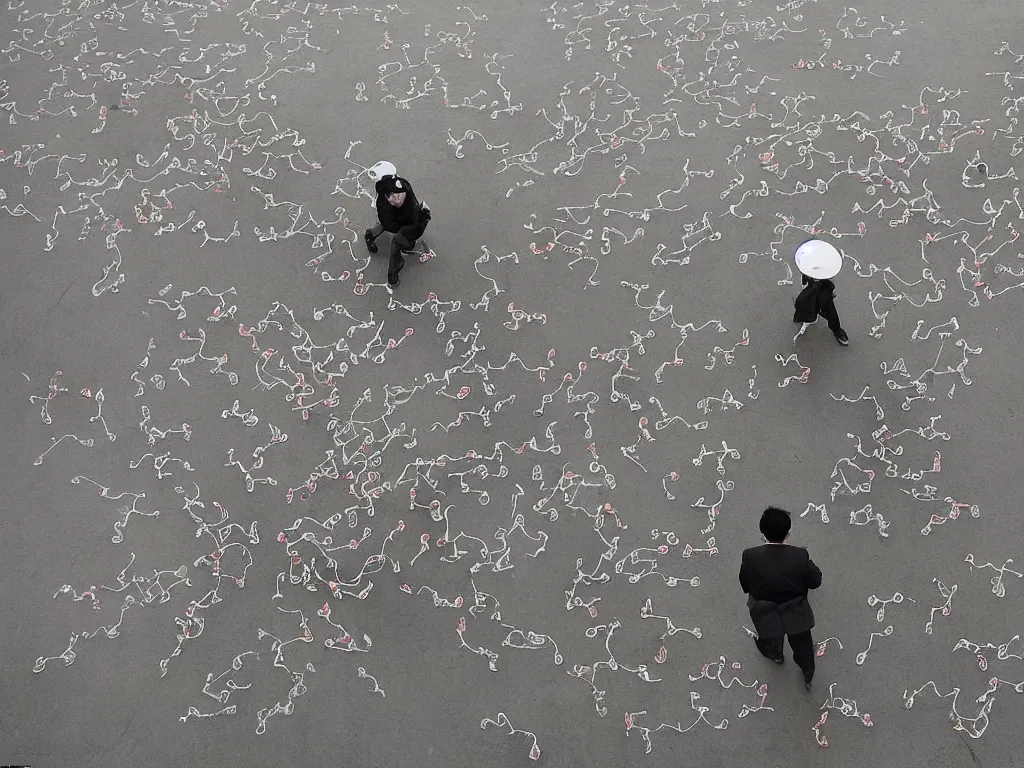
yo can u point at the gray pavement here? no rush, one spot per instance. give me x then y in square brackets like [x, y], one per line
[260, 509]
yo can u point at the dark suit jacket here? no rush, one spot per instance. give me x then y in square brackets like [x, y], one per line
[776, 578]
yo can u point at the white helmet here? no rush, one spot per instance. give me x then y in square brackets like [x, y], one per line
[381, 169]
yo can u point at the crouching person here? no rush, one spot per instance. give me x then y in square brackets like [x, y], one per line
[402, 215]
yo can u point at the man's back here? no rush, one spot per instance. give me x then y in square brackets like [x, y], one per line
[778, 572]
[776, 577]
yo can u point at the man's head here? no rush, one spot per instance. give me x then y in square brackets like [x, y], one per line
[396, 193]
[775, 524]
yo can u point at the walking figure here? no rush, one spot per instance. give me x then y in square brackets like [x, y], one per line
[776, 578]
[402, 215]
[818, 261]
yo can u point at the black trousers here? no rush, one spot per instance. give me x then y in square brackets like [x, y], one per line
[399, 243]
[803, 650]
[831, 315]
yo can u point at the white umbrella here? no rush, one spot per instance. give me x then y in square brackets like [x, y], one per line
[381, 169]
[818, 259]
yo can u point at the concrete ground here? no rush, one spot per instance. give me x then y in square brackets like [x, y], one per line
[497, 513]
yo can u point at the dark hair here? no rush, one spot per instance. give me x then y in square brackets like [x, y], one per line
[775, 524]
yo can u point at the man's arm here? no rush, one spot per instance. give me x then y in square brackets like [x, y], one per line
[387, 215]
[744, 576]
[411, 227]
[812, 578]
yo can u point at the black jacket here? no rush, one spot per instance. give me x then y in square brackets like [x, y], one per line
[410, 220]
[777, 577]
[813, 300]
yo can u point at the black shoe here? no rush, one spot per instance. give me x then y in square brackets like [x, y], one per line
[393, 280]
[807, 683]
[842, 338]
[368, 237]
[780, 660]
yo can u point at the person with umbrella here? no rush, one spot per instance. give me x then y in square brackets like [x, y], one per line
[818, 262]
[398, 212]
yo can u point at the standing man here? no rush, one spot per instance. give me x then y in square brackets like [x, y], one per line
[818, 261]
[401, 214]
[776, 578]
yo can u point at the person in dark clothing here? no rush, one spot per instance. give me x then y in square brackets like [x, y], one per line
[401, 214]
[818, 298]
[776, 578]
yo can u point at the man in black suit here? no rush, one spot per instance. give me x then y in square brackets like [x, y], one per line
[776, 578]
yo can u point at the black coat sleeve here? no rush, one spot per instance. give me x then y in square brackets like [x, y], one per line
[387, 215]
[812, 577]
[410, 227]
[744, 576]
